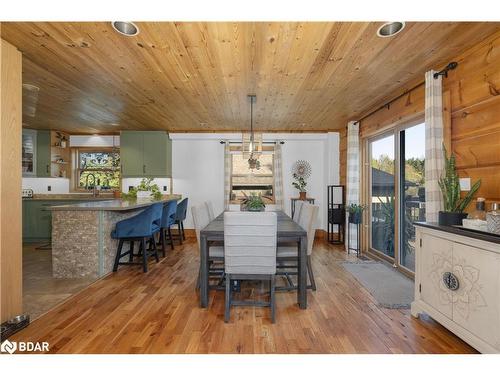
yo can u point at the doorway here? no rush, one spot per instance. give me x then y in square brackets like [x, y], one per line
[395, 191]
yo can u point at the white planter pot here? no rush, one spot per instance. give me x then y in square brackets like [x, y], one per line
[143, 194]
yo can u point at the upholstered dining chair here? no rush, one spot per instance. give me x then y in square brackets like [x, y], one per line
[143, 228]
[250, 254]
[287, 253]
[210, 208]
[167, 220]
[180, 216]
[201, 218]
[298, 209]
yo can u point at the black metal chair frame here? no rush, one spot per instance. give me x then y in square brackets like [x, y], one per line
[142, 252]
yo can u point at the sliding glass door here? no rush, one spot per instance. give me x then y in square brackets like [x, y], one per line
[396, 192]
[382, 181]
[412, 190]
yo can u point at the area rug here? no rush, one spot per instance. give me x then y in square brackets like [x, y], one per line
[390, 288]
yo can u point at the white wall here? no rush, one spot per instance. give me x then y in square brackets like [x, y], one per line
[198, 167]
[40, 185]
[312, 152]
[198, 172]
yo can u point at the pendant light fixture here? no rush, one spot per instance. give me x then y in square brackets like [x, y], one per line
[251, 142]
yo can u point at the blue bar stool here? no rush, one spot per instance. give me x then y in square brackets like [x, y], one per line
[180, 217]
[167, 220]
[141, 227]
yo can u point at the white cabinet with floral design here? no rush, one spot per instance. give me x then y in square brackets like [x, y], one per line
[457, 282]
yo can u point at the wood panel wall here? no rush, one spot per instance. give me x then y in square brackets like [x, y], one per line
[10, 181]
[471, 99]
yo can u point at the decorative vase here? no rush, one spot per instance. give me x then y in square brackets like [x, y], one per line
[302, 195]
[493, 222]
[355, 217]
[117, 193]
[451, 218]
[251, 209]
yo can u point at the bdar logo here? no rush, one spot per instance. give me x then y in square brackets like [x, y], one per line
[9, 347]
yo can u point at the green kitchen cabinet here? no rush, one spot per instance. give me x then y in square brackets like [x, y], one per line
[43, 153]
[37, 221]
[145, 154]
[37, 217]
[131, 153]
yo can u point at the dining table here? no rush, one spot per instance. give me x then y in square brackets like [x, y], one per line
[288, 231]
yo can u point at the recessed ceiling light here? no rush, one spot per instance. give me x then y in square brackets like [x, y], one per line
[125, 28]
[390, 29]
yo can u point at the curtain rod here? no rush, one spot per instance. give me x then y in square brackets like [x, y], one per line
[264, 143]
[443, 72]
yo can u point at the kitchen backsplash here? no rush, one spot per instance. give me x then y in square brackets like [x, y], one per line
[161, 182]
[42, 185]
[61, 185]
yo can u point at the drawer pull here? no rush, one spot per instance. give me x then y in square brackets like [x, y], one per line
[450, 281]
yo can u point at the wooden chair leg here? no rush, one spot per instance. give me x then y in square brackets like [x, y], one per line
[180, 233]
[228, 299]
[273, 302]
[171, 238]
[310, 273]
[144, 255]
[118, 255]
[131, 255]
[182, 227]
[155, 249]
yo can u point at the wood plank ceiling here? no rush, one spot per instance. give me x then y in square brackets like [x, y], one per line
[196, 76]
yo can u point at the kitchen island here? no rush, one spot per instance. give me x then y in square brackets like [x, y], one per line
[81, 234]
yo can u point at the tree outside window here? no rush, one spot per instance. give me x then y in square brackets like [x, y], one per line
[98, 168]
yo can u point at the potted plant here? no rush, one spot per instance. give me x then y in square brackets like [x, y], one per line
[300, 184]
[355, 212]
[254, 203]
[145, 189]
[450, 188]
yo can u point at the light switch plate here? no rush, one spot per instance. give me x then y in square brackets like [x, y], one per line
[464, 184]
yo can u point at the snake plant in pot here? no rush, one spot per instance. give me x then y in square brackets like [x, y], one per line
[449, 184]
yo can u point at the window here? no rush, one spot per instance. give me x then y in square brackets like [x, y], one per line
[98, 167]
[245, 181]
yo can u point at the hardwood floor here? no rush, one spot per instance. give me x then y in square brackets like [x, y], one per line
[158, 312]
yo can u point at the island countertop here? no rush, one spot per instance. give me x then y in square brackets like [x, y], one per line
[114, 204]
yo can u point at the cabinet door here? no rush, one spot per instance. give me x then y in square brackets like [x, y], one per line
[436, 258]
[476, 302]
[43, 153]
[155, 154]
[29, 153]
[131, 154]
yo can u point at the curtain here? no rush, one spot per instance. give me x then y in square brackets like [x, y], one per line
[278, 176]
[353, 177]
[434, 160]
[227, 175]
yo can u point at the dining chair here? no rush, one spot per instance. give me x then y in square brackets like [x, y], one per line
[250, 254]
[180, 216]
[298, 209]
[143, 228]
[287, 253]
[167, 220]
[201, 218]
[210, 208]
